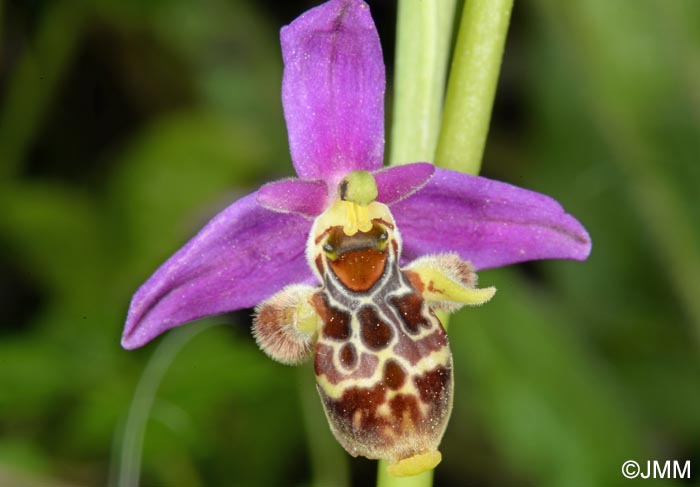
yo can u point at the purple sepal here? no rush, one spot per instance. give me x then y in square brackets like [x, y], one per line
[242, 256]
[333, 91]
[304, 197]
[487, 222]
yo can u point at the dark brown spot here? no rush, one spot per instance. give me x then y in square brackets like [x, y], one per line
[338, 325]
[375, 333]
[405, 407]
[356, 410]
[410, 309]
[348, 356]
[336, 322]
[394, 375]
[433, 386]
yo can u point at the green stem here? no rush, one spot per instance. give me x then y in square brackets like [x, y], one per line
[424, 479]
[472, 84]
[423, 34]
[128, 470]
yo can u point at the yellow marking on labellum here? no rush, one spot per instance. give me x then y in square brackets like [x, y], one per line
[416, 464]
[383, 409]
[435, 359]
[335, 391]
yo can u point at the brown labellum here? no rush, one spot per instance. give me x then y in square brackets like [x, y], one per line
[386, 380]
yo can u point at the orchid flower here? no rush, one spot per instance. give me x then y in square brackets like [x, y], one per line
[349, 261]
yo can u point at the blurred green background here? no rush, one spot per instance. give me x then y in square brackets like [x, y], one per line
[125, 125]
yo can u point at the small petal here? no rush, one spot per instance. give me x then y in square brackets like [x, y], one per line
[487, 222]
[242, 256]
[333, 91]
[304, 197]
[399, 182]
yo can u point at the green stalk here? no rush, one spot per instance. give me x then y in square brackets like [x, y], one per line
[423, 35]
[424, 479]
[423, 39]
[127, 471]
[472, 84]
[424, 32]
